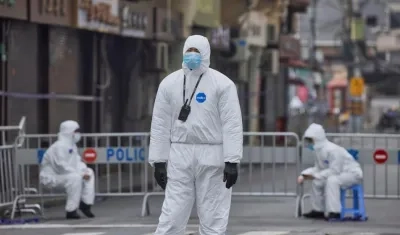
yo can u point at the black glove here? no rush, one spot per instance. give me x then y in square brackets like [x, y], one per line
[230, 174]
[160, 174]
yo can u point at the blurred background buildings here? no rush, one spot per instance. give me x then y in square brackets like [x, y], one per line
[294, 61]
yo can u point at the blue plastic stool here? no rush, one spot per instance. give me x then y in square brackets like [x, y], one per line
[358, 209]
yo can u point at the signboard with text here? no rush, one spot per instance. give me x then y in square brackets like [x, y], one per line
[357, 86]
[59, 12]
[99, 15]
[14, 9]
[289, 47]
[253, 27]
[136, 19]
[220, 38]
[207, 13]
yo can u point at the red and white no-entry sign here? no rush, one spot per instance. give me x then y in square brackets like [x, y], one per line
[89, 155]
[380, 156]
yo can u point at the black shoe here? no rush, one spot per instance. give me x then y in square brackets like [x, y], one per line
[314, 215]
[333, 216]
[86, 210]
[72, 215]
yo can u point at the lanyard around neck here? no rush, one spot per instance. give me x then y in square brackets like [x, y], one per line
[185, 101]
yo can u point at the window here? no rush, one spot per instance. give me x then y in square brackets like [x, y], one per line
[395, 20]
[371, 21]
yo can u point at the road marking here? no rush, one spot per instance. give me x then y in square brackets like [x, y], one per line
[266, 233]
[95, 233]
[88, 226]
[186, 233]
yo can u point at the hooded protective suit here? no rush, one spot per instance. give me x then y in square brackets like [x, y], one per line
[195, 150]
[334, 168]
[62, 167]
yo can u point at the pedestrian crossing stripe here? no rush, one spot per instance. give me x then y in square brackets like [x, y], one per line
[91, 233]
[266, 233]
[246, 233]
[186, 233]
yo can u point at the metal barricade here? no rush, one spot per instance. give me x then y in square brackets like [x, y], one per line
[119, 161]
[269, 167]
[7, 179]
[381, 177]
[7, 163]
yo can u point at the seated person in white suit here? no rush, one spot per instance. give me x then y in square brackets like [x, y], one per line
[334, 168]
[62, 167]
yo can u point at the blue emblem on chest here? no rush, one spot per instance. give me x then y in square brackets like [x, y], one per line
[201, 97]
[326, 162]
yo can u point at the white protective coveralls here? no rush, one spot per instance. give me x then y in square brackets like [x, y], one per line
[334, 168]
[195, 150]
[62, 167]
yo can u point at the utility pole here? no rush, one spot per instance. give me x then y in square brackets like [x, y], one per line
[313, 34]
[354, 34]
[313, 50]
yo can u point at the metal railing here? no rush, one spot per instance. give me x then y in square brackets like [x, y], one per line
[121, 167]
[7, 162]
[269, 168]
[119, 161]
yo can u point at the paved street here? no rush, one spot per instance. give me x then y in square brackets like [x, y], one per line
[249, 215]
[262, 215]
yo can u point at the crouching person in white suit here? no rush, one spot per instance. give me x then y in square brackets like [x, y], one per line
[62, 167]
[334, 168]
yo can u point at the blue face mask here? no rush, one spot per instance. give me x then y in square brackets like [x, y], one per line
[310, 147]
[192, 60]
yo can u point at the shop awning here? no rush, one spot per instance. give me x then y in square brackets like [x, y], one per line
[338, 81]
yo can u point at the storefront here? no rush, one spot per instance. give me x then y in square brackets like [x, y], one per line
[18, 50]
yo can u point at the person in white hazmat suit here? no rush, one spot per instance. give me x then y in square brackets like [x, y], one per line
[62, 167]
[196, 145]
[334, 168]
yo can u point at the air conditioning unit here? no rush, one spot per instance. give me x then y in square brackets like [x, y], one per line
[270, 61]
[239, 51]
[158, 63]
[272, 35]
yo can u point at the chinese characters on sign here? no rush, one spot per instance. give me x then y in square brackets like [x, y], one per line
[99, 15]
[253, 27]
[220, 38]
[55, 7]
[136, 20]
[58, 12]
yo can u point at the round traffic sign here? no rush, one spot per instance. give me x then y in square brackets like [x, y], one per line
[89, 155]
[356, 86]
[380, 156]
